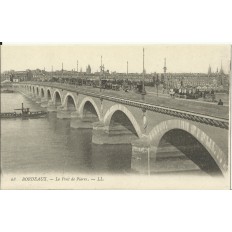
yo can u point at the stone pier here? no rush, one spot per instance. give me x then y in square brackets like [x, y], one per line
[143, 154]
[44, 102]
[33, 97]
[79, 122]
[38, 100]
[102, 134]
[51, 107]
[64, 113]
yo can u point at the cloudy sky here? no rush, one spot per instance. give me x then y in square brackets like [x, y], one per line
[180, 58]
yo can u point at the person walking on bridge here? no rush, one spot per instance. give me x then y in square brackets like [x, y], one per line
[220, 102]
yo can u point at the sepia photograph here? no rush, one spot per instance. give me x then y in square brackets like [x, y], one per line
[145, 116]
[115, 115]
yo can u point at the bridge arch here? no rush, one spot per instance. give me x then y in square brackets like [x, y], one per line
[37, 91]
[69, 97]
[49, 95]
[42, 92]
[57, 97]
[170, 128]
[121, 108]
[88, 100]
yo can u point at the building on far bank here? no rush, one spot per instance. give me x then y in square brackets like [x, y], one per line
[88, 69]
[210, 80]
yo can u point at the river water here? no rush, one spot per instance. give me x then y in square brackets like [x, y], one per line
[48, 145]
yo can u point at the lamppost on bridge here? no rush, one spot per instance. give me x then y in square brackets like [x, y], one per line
[101, 74]
[128, 82]
[165, 77]
[62, 72]
[143, 86]
[157, 83]
[230, 68]
[77, 82]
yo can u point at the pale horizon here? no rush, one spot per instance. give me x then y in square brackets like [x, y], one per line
[179, 58]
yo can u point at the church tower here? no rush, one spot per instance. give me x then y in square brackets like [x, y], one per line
[221, 75]
[221, 70]
[88, 69]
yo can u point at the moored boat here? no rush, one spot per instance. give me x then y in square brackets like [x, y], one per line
[24, 114]
[7, 91]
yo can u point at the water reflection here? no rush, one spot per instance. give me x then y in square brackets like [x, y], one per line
[111, 158]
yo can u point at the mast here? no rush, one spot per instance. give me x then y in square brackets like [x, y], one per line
[101, 73]
[127, 68]
[143, 87]
[230, 68]
[62, 70]
[143, 62]
[165, 68]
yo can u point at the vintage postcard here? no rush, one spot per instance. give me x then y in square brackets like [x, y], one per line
[76, 116]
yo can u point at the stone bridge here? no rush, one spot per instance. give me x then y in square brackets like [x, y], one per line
[147, 127]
